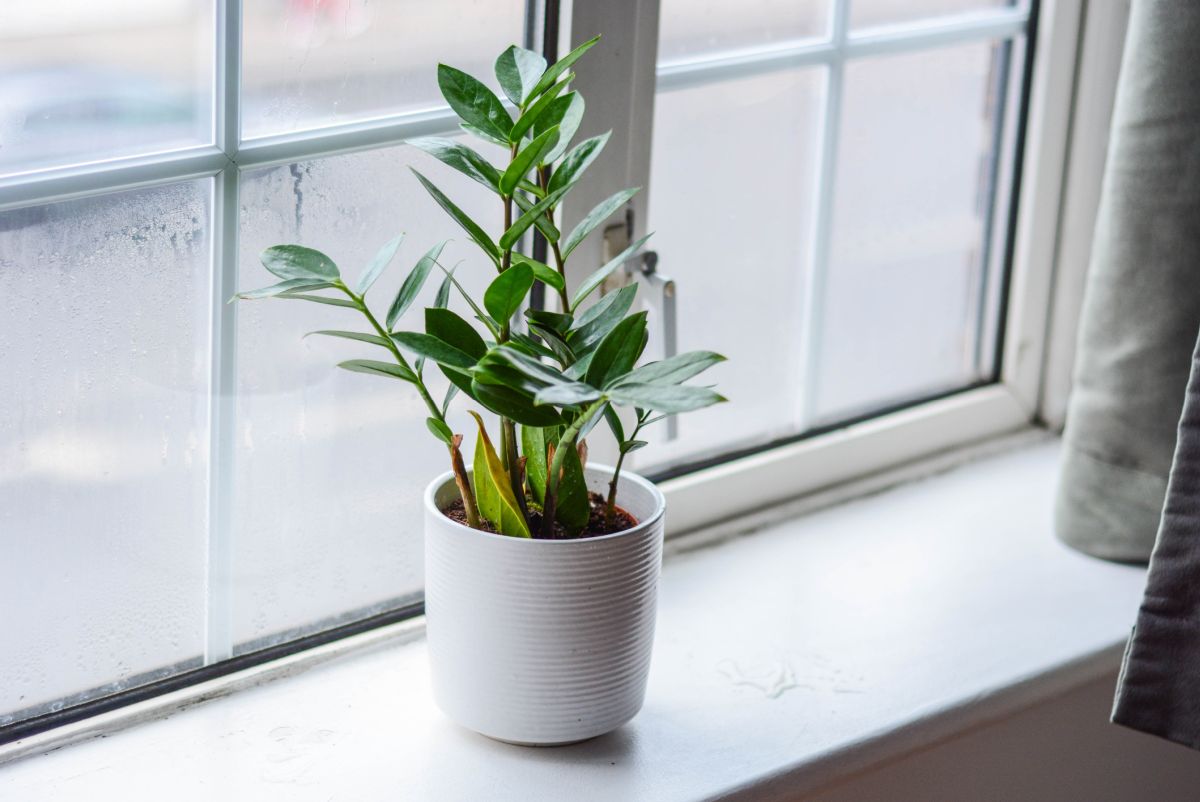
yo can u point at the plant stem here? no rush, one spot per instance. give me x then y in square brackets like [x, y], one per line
[567, 441]
[610, 508]
[559, 261]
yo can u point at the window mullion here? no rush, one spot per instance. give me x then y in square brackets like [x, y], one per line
[218, 640]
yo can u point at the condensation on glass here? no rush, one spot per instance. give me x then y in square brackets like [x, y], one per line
[103, 443]
[904, 298]
[314, 63]
[88, 81]
[330, 465]
[690, 29]
[871, 13]
[735, 236]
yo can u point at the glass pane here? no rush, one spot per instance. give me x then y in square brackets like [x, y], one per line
[736, 239]
[690, 28]
[868, 13]
[902, 305]
[104, 307]
[82, 81]
[313, 63]
[331, 465]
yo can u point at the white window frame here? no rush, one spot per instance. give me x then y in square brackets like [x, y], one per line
[1031, 388]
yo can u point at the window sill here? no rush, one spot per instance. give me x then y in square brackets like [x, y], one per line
[808, 650]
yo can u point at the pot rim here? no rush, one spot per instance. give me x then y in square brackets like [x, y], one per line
[660, 508]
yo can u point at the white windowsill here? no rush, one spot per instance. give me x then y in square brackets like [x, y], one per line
[812, 648]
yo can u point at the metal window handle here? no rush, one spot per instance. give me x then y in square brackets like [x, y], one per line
[665, 286]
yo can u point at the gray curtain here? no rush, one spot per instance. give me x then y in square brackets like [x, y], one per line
[1126, 447]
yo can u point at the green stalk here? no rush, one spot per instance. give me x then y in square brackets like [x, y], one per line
[508, 429]
[610, 509]
[567, 441]
[559, 262]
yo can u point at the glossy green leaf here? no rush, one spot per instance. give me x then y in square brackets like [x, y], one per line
[526, 121]
[556, 388]
[559, 67]
[501, 507]
[595, 217]
[477, 234]
[548, 229]
[412, 284]
[513, 404]
[451, 391]
[474, 102]
[518, 70]
[613, 419]
[664, 397]
[479, 313]
[375, 368]
[562, 352]
[297, 261]
[574, 394]
[633, 445]
[542, 271]
[504, 295]
[592, 282]
[572, 507]
[510, 237]
[318, 299]
[382, 259]
[440, 430]
[484, 135]
[526, 159]
[453, 330]
[577, 161]
[532, 345]
[431, 347]
[533, 448]
[462, 158]
[567, 113]
[618, 352]
[374, 339]
[599, 318]
[673, 370]
[291, 285]
[559, 322]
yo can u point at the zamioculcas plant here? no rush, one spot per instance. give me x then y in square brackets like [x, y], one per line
[549, 377]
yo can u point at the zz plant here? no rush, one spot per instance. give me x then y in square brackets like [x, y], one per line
[551, 383]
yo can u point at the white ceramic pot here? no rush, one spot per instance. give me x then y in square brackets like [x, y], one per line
[542, 642]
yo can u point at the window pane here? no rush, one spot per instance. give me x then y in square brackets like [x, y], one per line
[867, 13]
[103, 443]
[692, 28]
[83, 81]
[331, 465]
[311, 64]
[902, 306]
[735, 237]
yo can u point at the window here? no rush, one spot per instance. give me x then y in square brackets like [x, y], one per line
[187, 486]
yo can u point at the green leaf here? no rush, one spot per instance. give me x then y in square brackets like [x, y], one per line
[431, 347]
[633, 445]
[599, 318]
[504, 295]
[597, 278]
[614, 422]
[458, 378]
[567, 113]
[484, 135]
[526, 121]
[548, 229]
[618, 352]
[374, 339]
[526, 159]
[373, 271]
[541, 271]
[318, 299]
[474, 102]
[556, 388]
[573, 509]
[578, 160]
[479, 313]
[559, 67]
[451, 391]
[440, 430]
[296, 261]
[531, 345]
[573, 394]
[453, 330]
[497, 503]
[664, 397]
[518, 70]
[291, 285]
[442, 298]
[510, 237]
[559, 322]
[379, 369]
[515, 405]
[461, 158]
[673, 370]
[412, 284]
[595, 217]
[562, 351]
[533, 448]
[477, 234]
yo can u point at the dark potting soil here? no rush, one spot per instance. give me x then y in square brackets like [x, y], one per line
[596, 526]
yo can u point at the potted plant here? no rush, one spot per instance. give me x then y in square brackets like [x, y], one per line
[541, 569]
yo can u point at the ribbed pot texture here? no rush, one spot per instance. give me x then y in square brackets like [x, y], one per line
[542, 642]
